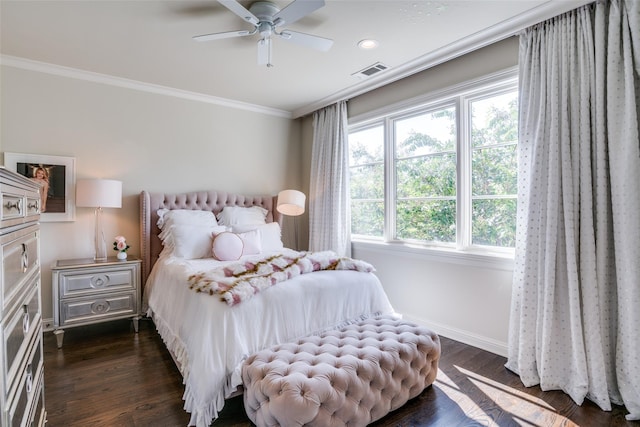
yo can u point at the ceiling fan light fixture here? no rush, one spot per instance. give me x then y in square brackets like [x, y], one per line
[368, 44]
[266, 17]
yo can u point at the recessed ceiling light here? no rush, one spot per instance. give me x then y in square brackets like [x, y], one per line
[368, 44]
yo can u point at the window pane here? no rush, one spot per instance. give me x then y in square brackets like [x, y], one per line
[430, 220]
[494, 222]
[494, 120]
[366, 146]
[367, 218]
[367, 182]
[494, 171]
[431, 176]
[427, 133]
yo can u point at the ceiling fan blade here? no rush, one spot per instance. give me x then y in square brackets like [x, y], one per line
[316, 42]
[264, 52]
[239, 10]
[296, 10]
[225, 35]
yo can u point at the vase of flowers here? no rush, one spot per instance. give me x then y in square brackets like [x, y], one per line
[120, 245]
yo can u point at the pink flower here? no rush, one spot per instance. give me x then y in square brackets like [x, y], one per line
[120, 244]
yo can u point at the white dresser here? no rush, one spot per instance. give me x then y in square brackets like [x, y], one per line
[21, 361]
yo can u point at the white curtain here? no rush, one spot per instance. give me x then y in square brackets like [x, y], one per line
[329, 212]
[575, 315]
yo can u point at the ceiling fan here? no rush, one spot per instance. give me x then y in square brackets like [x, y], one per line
[267, 18]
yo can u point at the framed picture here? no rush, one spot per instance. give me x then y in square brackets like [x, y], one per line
[57, 177]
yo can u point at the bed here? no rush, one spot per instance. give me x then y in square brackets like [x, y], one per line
[209, 336]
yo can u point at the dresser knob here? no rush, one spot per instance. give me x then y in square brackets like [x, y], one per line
[15, 205]
[26, 322]
[25, 258]
[29, 384]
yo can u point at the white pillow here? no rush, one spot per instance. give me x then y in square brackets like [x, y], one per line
[236, 215]
[190, 241]
[251, 242]
[270, 235]
[227, 247]
[169, 217]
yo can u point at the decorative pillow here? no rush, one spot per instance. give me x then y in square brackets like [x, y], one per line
[227, 246]
[251, 242]
[190, 241]
[236, 215]
[270, 235]
[168, 217]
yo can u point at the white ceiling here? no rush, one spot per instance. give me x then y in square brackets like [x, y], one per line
[150, 41]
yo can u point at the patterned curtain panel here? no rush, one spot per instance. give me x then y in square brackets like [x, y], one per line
[329, 218]
[575, 316]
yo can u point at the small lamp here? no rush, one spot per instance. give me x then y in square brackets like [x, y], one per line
[291, 203]
[98, 194]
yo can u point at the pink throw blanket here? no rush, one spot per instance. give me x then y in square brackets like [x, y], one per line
[241, 281]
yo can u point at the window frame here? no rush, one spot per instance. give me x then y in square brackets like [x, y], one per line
[461, 96]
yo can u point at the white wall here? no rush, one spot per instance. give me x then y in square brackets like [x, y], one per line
[148, 141]
[466, 302]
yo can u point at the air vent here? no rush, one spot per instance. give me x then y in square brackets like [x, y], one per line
[370, 70]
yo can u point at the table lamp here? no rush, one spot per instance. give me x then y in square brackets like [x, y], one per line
[99, 194]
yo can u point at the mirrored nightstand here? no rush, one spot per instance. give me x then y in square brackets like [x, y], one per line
[87, 292]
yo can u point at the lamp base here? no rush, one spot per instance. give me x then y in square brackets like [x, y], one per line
[100, 244]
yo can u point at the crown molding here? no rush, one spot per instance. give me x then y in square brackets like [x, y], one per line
[74, 73]
[490, 35]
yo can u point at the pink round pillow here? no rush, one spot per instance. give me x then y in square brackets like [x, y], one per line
[227, 246]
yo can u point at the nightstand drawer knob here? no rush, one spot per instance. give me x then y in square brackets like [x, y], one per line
[100, 307]
[99, 281]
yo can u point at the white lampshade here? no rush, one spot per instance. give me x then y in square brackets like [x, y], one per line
[99, 193]
[291, 202]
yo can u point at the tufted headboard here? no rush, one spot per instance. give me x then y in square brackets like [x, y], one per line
[150, 244]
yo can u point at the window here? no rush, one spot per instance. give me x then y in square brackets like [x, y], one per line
[440, 172]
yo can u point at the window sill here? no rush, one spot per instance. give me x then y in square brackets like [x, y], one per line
[474, 258]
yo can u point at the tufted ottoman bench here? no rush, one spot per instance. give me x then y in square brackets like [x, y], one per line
[351, 376]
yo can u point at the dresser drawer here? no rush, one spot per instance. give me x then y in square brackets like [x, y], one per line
[13, 206]
[20, 260]
[33, 206]
[20, 201]
[97, 308]
[90, 281]
[17, 332]
[21, 404]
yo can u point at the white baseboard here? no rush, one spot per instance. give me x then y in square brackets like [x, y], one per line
[466, 337]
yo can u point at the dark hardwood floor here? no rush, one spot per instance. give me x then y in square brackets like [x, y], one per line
[106, 375]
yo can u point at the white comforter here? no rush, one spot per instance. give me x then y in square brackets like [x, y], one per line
[210, 339]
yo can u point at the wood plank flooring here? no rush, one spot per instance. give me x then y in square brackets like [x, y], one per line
[107, 375]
